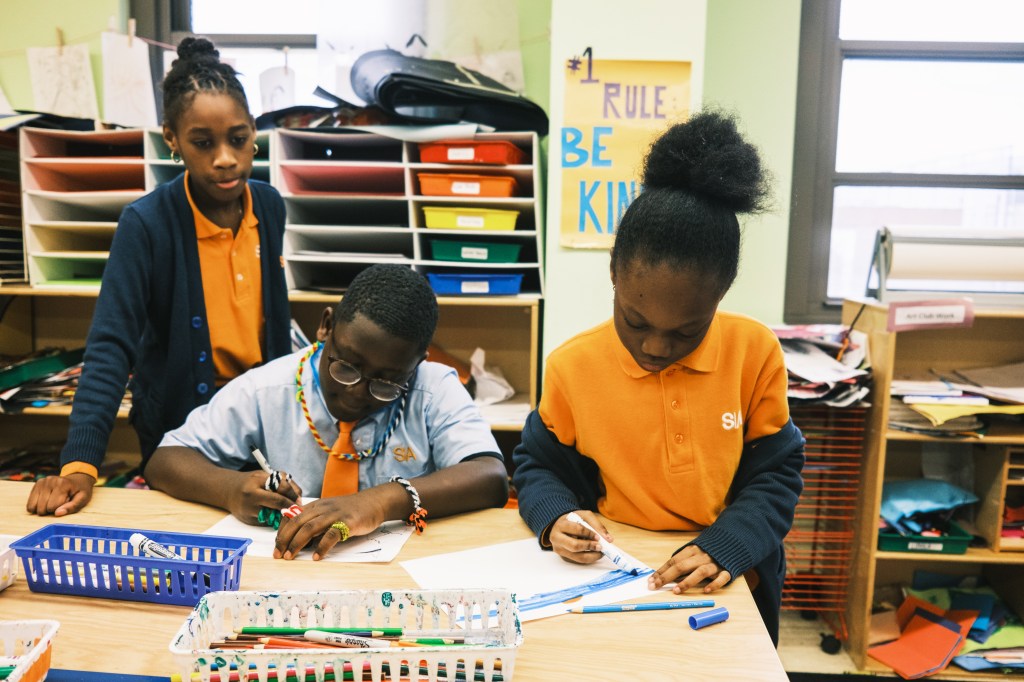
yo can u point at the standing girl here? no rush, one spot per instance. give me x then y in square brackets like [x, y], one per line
[673, 414]
[193, 293]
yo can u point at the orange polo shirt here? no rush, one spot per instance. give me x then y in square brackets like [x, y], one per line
[668, 444]
[232, 289]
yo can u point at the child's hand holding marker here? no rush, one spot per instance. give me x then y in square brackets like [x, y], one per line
[582, 538]
[248, 501]
[623, 561]
[277, 481]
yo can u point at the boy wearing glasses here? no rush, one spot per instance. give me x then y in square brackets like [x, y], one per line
[361, 420]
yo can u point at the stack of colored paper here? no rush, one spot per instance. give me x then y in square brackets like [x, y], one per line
[929, 639]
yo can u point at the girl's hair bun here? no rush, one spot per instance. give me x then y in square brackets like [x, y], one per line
[707, 156]
[198, 49]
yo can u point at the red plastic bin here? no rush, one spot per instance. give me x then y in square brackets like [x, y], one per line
[499, 152]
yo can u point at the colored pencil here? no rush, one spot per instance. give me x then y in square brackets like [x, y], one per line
[649, 606]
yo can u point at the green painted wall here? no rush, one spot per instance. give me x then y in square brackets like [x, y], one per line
[751, 69]
[34, 23]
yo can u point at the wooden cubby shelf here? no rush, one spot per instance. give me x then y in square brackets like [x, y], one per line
[993, 339]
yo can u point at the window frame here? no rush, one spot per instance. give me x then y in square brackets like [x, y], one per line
[169, 21]
[814, 158]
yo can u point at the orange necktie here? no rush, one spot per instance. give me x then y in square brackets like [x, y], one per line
[341, 476]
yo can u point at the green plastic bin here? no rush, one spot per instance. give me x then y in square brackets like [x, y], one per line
[954, 542]
[474, 252]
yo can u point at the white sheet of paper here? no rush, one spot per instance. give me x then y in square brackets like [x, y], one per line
[128, 97]
[277, 88]
[811, 363]
[523, 567]
[380, 546]
[62, 81]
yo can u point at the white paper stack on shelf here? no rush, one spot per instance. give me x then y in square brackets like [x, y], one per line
[815, 373]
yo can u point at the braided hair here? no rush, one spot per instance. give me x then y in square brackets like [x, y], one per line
[198, 68]
[697, 176]
[396, 299]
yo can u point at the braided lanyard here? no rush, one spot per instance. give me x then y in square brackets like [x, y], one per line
[300, 395]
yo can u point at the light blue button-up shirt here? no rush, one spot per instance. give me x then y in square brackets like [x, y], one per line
[440, 426]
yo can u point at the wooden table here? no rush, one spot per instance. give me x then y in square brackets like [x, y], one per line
[133, 637]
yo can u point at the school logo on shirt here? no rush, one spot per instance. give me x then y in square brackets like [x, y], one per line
[404, 454]
[732, 421]
[257, 250]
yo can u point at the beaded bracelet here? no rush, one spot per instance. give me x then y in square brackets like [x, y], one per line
[419, 514]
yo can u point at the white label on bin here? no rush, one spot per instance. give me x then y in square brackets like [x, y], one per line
[469, 221]
[476, 287]
[463, 187]
[474, 253]
[925, 546]
[460, 153]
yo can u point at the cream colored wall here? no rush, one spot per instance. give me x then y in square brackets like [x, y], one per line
[34, 23]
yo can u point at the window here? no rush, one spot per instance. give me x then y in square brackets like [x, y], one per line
[250, 35]
[908, 115]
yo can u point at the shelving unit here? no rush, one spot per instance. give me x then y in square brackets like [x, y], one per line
[350, 197]
[993, 339]
[74, 187]
[354, 199]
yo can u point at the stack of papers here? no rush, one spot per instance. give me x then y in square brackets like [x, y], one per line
[929, 639]
[964, 394]
[827, 364]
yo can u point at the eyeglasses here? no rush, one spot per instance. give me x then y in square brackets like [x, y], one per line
[349, 375]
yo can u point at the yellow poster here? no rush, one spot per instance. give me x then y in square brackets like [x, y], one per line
[613, 111]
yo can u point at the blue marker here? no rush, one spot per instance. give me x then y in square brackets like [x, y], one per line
[648, 606]
[617, 556]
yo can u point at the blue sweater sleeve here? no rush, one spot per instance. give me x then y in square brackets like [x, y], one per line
[764, 494]
[112, 343]
[550, 479]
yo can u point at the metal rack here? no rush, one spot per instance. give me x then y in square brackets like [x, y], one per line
[820, 545]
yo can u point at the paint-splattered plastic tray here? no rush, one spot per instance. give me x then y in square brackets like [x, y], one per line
[27, 644]
[486, 620]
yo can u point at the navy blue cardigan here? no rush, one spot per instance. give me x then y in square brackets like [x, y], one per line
[552, 479]
[150, 321]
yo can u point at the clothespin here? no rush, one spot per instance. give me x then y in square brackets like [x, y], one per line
[285, 48]
[60, 42]
[131, 31]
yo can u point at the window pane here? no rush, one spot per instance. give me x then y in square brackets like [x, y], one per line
[859, 212]
[254, 16]
[931, 117]
[251, 62]
[982, 21]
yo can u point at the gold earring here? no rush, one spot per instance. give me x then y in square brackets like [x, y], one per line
[255, 148]
[175, 157]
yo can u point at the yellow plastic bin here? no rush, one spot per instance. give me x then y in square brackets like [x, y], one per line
[469, 218]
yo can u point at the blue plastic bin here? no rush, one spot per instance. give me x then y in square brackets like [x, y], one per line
[482, 284]
[96, 561]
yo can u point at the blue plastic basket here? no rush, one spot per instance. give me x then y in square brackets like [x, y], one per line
[483, 284]
[96, 561]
